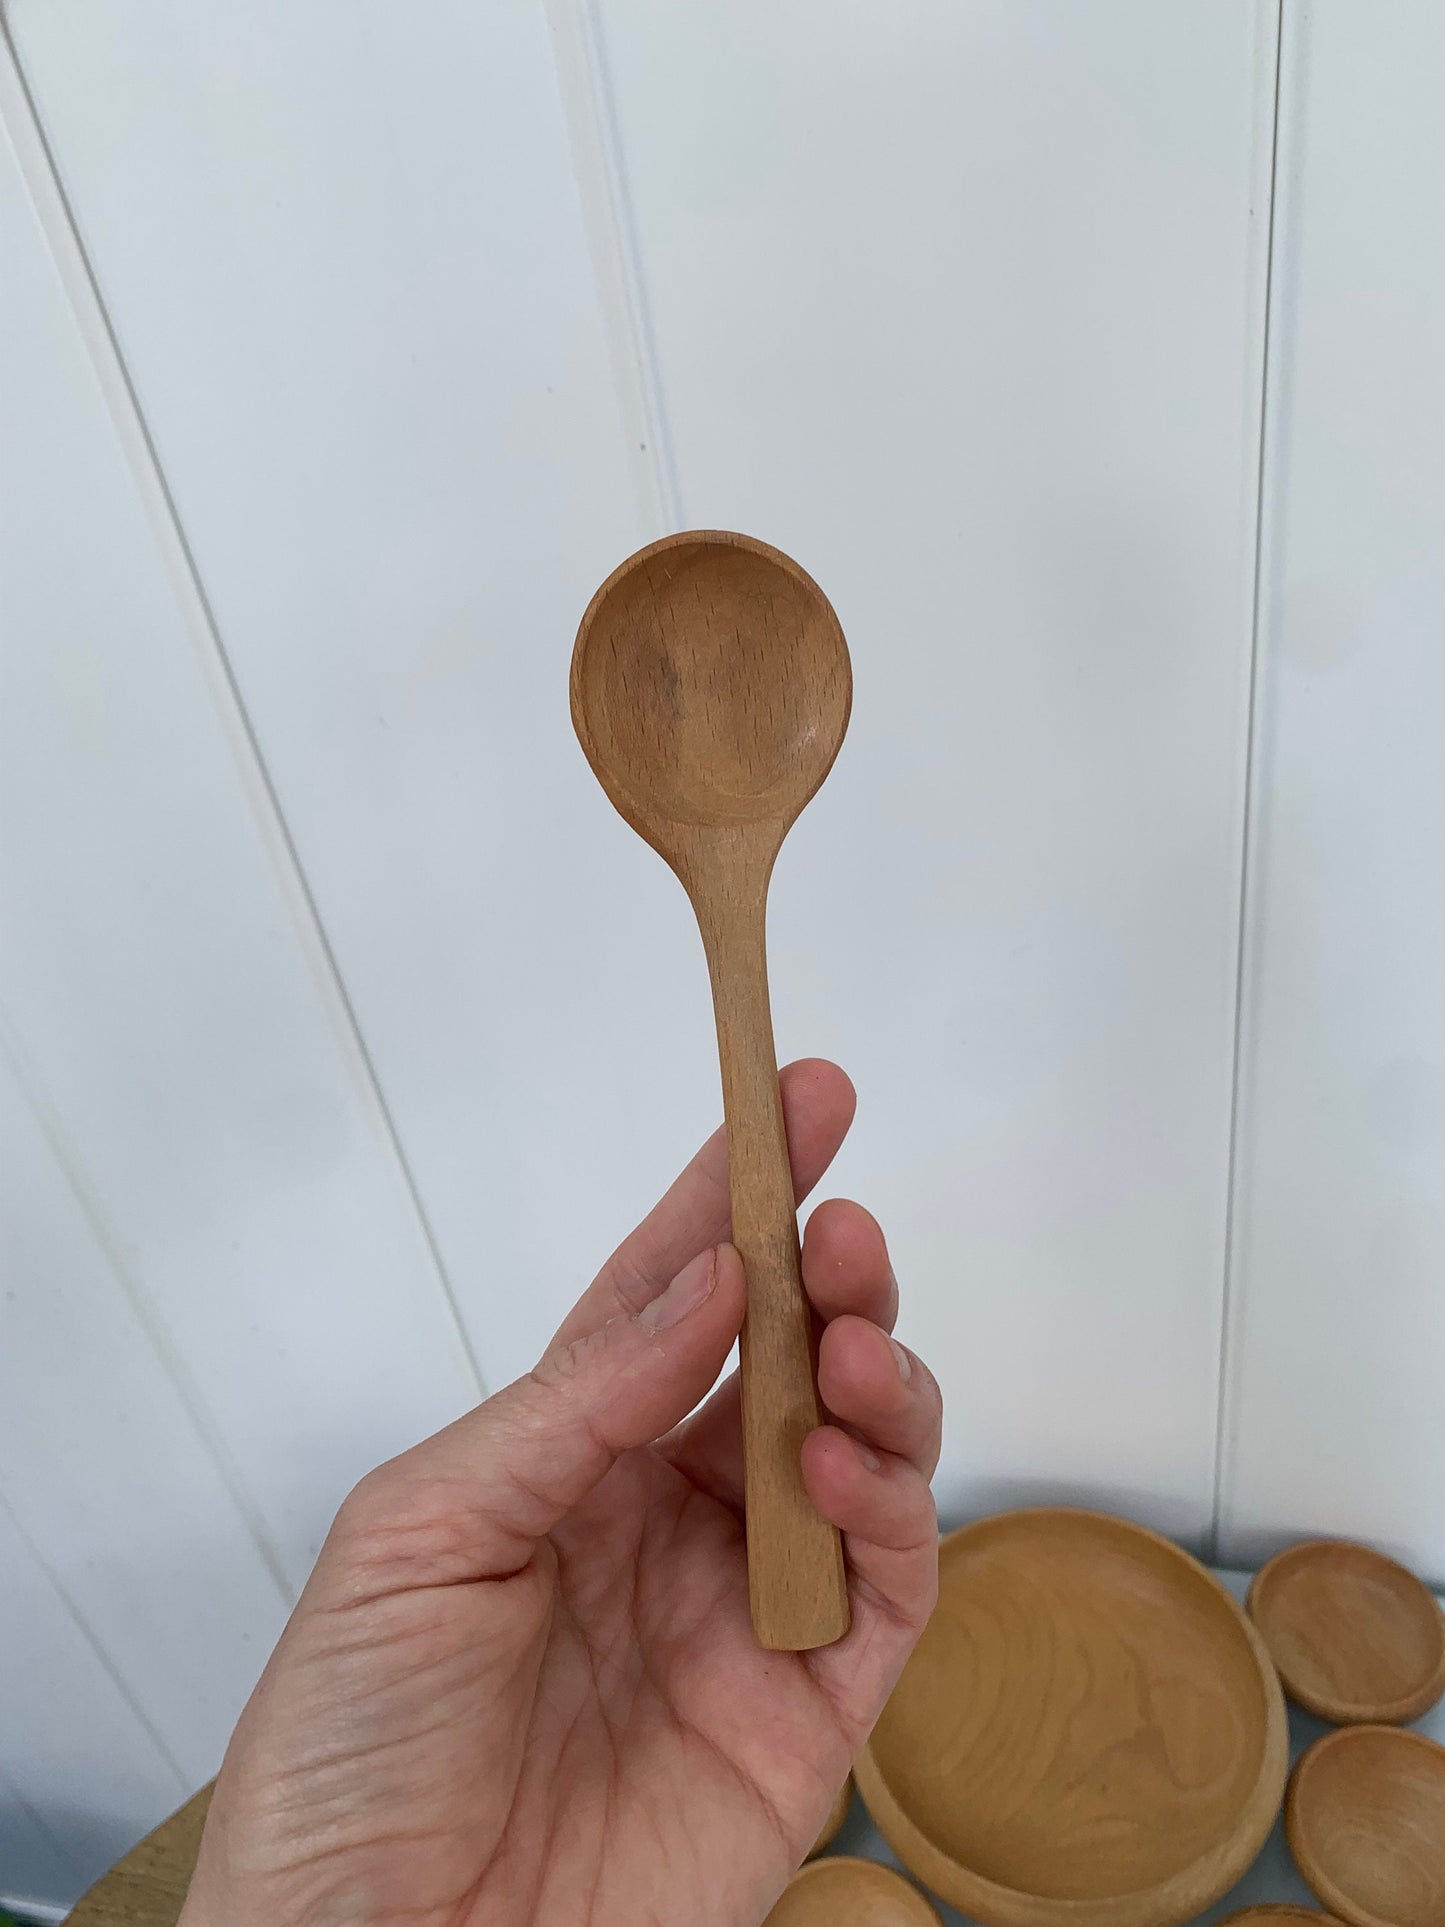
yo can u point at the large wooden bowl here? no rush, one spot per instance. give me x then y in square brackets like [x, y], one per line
[1089, 1734]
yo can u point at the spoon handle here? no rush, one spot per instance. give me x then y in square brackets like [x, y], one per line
[796, 1579]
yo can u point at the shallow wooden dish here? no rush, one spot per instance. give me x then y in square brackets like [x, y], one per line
[1356, 1638]
[842, 1892]
[1089, 1734]
[837, 1814]
[1282, 1914]
[1365, 1819]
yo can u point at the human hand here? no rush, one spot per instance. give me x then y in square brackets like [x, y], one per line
[521, 1685]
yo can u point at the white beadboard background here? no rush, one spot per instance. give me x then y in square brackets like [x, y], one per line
[1089, 357]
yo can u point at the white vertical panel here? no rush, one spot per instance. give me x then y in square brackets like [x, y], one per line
[962, 306]
[74, 1743]
[108, 1474]
[1339, 1340]
[959, 305]
[359, 309]
[161, 982]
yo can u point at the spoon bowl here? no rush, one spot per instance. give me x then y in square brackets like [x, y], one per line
[710, 688]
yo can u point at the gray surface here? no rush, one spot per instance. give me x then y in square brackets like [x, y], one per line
[1273, 1875]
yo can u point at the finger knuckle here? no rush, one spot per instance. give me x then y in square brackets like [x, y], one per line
[371, 1500]
[567, 1362]
[393, 1531]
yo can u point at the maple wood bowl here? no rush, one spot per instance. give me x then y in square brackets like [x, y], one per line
[844, 1892]
[1276, 1913]
[1089, 1733]
[1356, 1638]
[1365, 1819]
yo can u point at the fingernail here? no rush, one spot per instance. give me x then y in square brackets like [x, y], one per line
[902, 1361]
[870, 1459]
[686, 1292]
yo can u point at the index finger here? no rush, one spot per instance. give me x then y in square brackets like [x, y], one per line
[695, 1211]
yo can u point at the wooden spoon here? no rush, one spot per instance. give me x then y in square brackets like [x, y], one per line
[710, 691]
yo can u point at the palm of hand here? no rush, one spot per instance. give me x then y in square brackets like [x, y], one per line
[544, 1743]
[522, 1685]
[652, 1705]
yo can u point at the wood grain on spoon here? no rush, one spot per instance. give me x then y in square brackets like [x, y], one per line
[710, 691]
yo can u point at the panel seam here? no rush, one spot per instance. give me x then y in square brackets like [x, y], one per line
[21, 119]
[12, 1791]
[49, 1124]
[103, 1657]
[1230, 1295]
[589, 109]
[31, 1905]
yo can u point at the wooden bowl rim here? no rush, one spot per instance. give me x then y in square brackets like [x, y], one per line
[1342, 1712]
[1167, 1903]
[812, 1870]
[1300, 1846]
[1280, 1910]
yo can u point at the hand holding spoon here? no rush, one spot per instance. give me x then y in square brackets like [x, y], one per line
[710, 691]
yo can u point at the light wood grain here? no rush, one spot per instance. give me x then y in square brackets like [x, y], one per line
[710, 691]
[1356, 1638]
[843, 1892]
[148, 1887]
[1282, 1914]
[1089, 1733]
[1365, 1818]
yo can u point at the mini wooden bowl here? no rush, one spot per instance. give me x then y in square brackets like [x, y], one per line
[842, 1892]
[1365, 1820]
[1282, 1914]
[1356, 1638]
[1089, 1733]
[837, 1814]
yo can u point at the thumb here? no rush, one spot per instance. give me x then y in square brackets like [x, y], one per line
[502, 1477]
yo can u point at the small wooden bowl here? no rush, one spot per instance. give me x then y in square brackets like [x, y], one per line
[1357, 1639]
[1365, 1820]
[842, 1892]
[837, 1814]
[1089, 1733]
[1283, 1914]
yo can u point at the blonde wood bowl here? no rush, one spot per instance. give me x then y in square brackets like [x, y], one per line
[1356, 1638]
[1281, 1914]
[1365, 1820]
[842, 1892]
[1089, 1733]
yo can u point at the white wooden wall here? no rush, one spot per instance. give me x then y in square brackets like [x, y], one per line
[343, 1028]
